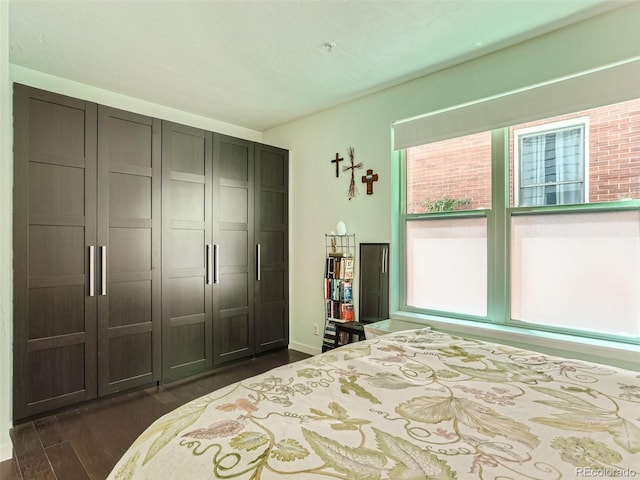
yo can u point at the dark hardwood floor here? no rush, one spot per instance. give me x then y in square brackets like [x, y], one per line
[85, 442]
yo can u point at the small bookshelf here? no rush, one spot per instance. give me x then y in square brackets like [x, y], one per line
[339, 271]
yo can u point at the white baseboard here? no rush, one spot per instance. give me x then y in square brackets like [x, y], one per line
[6, 452]
[308, 349]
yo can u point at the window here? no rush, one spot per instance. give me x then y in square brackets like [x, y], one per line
[448, 250]
[550, 163]
[577, 270]
[542, 228]
[450, 175]
[448, 268]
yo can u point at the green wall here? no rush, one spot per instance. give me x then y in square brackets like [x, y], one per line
[319, 200]
[6, 180]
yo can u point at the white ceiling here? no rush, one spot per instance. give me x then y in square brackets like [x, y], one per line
[258, 64]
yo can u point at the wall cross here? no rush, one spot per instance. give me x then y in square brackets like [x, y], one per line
[337, 161]
[352, 186]
[369, 178]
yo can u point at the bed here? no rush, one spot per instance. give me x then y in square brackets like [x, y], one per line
[417, 404]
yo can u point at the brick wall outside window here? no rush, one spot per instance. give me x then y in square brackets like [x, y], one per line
[460, 168]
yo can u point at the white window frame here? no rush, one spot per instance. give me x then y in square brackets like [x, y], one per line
[546, 128]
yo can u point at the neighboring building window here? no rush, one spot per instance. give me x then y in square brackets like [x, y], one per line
[550, 167]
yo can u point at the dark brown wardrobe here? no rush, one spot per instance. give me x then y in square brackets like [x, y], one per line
[140, 250]
[374, 282]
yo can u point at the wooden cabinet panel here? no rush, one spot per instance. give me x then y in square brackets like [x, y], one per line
[187, 150]
[130, 250]
[272, 331]
[65, 302]
[272, 235]
[130, 356]
[191, 254]
[187, 194]
[374, 282]
[188, 345]
[235, 293]
[130, 303]
[234, 158]
[233, 336]
[54, 373]
[56, 250]
[129, 210]
[274, 248]
[130, 196]
[186, 296]
[129, 140]
[187, 231]
[233, 204]
[54, 225]
[54, 193]
[56, 127]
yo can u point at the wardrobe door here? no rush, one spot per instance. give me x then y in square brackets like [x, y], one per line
[233, 219]
[374, 282]
[54, 236]
[128, 250]
[272, 282]
[187, 251]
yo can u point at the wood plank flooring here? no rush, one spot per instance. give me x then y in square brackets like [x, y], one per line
[81, 444]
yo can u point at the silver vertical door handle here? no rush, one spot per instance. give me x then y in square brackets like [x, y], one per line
[385, 259]
[92, 271]
[209, 259]
[216, 268]
[103, 270]
[258, 263]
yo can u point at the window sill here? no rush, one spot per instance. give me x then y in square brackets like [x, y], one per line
[600, 351]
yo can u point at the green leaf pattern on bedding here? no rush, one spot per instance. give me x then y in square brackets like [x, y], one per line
[358, 463]
[408, 406]
[412, 462]
[585, 452]
[172, 427]
[584, 416]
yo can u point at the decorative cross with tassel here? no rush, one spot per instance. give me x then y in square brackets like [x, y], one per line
[352, 186]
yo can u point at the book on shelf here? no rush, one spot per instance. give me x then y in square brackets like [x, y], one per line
[348, 268]
[346, 291]
[329, 337]
[336, 288]
[333, 309]
[335, 312]
[329, 271]
[346, 312]
[336, 267]
[339, 311]
[331, 289]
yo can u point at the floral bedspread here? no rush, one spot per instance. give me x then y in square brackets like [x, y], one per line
[417, 404]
